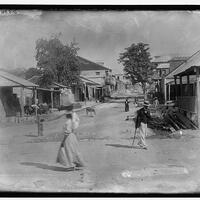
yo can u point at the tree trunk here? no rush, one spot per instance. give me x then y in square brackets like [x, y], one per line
[144, 91]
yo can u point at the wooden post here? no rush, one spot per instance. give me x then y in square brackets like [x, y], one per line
[181, 89]
[85, 93]
[22, 101]
[35, 100]
[175, 81]
[198, 96]
[52, 98]
[188, 79]
[165, 90]
[169, 90]
[188, 83]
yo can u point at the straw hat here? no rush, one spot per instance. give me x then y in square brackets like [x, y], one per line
[146, 103]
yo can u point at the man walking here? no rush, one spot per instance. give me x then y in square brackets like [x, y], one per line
[143, 115]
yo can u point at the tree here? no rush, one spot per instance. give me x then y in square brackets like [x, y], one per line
[32, 72]
[57, 62]
[137, 64]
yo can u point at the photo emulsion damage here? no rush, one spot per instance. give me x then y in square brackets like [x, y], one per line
[104, 101]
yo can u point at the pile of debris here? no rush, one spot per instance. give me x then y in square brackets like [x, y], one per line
[168, 118]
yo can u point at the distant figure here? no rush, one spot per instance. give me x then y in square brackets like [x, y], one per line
[126, 105]
[143, 115]
[156, 102]
[135, 102]
[102, 99]
[69, 154]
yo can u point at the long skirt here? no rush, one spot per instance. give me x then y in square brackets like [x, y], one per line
[69, 154]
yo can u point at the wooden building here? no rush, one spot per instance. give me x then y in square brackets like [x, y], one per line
[50, 94]
[186, 89]
[165, 65]
[12, 94]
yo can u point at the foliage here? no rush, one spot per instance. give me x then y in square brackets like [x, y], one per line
[137, 64]
[32, 72]
[57, 62]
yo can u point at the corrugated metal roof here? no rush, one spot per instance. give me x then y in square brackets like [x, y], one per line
[179, 58]
[6, 83]
[194, 60]
[161, 59]
[16, 80]
[89, 65]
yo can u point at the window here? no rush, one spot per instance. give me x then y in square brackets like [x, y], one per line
[97, 73]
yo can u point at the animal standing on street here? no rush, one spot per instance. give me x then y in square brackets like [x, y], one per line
[143, 115]
[90, 110]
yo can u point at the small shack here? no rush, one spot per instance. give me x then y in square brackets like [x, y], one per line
[50, 94]
[186, 88]
[12, 94]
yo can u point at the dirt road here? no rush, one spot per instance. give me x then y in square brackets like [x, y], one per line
[169, 165]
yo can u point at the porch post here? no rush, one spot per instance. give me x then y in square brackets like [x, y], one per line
[52, 98]
[169, 91]
[165, 90]
[181, 89]
[175, 81]
[188, 79]
[22, 100]
[188, 83]
[85, 93]
[35, 100]
[198, 96]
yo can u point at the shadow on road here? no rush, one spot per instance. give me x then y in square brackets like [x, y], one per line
[158, 136]
[123, 146]
[48, 167]
[31, 135]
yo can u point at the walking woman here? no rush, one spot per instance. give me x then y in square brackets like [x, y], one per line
[69, 153]
[126, 105]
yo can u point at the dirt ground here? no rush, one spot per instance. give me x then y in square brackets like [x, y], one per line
[170, 165]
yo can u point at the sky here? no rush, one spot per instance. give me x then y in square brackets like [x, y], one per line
[101, 35]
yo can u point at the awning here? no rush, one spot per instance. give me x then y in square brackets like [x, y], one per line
[58, 85]
[7, 83]
[16, 81]
[88, 81]
[49, 90]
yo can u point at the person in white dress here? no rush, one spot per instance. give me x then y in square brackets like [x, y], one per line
[69, 153]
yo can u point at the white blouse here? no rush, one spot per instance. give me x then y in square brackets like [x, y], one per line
[71, 124]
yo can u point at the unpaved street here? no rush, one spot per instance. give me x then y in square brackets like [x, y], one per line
[169, 164]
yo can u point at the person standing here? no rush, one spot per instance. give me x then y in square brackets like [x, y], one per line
[143, 115]
[69, 153]
[126, 105]
[156, 102]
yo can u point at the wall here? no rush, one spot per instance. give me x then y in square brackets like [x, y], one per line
[9, 101]
[91, 74]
